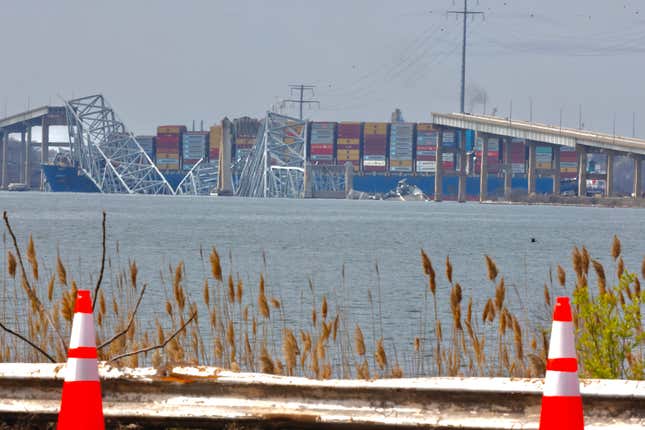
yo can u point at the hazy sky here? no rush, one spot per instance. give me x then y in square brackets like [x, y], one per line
[174, 61]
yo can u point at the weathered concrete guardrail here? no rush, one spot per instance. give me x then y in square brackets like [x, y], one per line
[202, 396]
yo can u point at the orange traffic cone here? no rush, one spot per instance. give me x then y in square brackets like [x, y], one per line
[81, 405]
[561, 402]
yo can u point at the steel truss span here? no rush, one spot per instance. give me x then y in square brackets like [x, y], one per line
[201, 180]
[275, 166]
[107, 153]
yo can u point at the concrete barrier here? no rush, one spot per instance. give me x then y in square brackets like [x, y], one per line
[207, 396]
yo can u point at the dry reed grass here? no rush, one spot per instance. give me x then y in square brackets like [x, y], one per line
[239, 333]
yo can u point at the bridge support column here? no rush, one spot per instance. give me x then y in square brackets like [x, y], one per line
[609, 182]
[44, 151]
[556, 169]
[349, 177]
[483, 163]
[5, 150]
[21, 158]
[638, 176]
[461, 195]
[508, 168]
[438, 176]
[582, 170]
[308, 189]
[28, 158]
[224, 182]
[531, 174]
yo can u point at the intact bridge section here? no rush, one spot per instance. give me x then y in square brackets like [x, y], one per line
[508, 132]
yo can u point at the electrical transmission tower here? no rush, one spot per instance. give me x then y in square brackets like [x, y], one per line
[302, 89]
[465, 13]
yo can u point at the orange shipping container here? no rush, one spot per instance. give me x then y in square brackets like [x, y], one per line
[171, 129]
[425, 127]
[347, 154]
[401, 163]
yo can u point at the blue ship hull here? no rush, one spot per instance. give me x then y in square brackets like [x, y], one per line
[450, 185]
[70, 179]
[67, 179]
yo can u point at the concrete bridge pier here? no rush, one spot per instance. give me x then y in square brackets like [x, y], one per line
[5, 145]
[556, 169]
[21, 158]
[438, 176]
[508, 168]
[308, 188]
[638, 176]
[44, 151]
[609, 182]
[224, 183]
[483, 164]
[582, 170]
[349, 177]
[461, 154]
[531, 173]
[27, 166]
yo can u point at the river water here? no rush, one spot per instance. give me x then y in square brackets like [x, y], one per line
[336, 244]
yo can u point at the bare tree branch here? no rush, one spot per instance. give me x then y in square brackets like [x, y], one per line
[118, 335]
[30, 290]
[161, 345]
[19, 336]
[100, 279]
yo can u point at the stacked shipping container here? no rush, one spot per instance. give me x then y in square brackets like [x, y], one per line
[401, 147]
[450, 141]
[427, 138]
[168, 146]
[193, 148]
[348, 145]
[568, 162]
[375, 146]
[321, 145]
[246, 131]
[518, 156]
[492, 156]
[147, 144]
[543, 157]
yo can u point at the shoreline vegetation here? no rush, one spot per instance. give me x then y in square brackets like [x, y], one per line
[245, 327]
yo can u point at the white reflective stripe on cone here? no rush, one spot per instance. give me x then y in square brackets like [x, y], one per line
[81, 369]
[561, 384]
[563, 344]
[82, 331]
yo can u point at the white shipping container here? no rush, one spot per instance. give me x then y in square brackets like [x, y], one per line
[374, 163]
[426, 166]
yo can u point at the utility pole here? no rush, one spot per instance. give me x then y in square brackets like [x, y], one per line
[465, 13]
[301, 89]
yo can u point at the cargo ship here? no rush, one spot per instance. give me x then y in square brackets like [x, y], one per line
[382, 154]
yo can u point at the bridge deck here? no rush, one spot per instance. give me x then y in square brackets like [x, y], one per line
[540, 132]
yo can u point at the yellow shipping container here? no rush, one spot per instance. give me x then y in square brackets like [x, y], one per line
[568, 170]
[425, 127]
[161, 155]
[401, 163]
[543, 165]
[170, 129]
[169, 166]
[349, 142]
[347, 154]
[375, 128]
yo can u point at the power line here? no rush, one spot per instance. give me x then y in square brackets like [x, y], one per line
[301, 100]
[465, 13]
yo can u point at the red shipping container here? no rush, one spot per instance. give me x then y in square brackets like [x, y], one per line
[349, 130]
